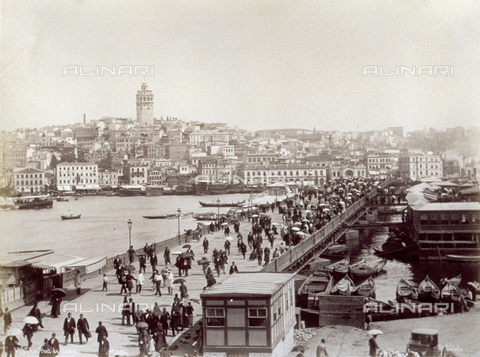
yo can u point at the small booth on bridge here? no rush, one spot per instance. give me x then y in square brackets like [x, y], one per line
[249, 314]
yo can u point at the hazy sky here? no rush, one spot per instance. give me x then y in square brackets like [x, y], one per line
[257, 64]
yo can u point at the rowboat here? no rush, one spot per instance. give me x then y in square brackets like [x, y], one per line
[70, 216]
[427, 290]
[210, 216]
[455, 280]
[335, 252]
[222, 204]
[451, 292]
[160, 216]
[367, 288]
[344, 287]
[463, 258]
[341, 268]
[317, 284]
[402, 252]
[365, 271]
[405, 290]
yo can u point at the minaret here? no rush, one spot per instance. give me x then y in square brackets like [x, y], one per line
[144, 105]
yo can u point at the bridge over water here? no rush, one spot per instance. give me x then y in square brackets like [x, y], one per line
[298, 256]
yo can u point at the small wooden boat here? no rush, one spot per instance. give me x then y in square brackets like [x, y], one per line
[463, 258]
[160, 216]
[318, 283]
[210, 216]
[451, 292]
[70, 216]
[335, 252]
[344, 287]
[365, 271]
[400, 252]
[62, 199]
[405, 290]
[367, 288]
[341, 268]
[428, 290]
[455, 280]
[222, 204]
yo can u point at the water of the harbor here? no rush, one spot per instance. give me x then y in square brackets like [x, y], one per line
[103, 231]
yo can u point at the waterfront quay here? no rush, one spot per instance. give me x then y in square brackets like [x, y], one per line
[97, 305]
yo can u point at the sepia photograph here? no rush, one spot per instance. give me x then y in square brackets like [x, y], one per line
[240, 178]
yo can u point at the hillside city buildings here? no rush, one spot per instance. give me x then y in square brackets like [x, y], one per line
[152, 151]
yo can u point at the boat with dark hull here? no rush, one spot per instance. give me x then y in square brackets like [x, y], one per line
[160, 216]
[341, 268]
[364, 271]
[209, 216]
[127, 191]
[400, 252]
[428, 290]
[406, 291]
[344, 287]
[66, 217]
[222, 204]
[317, 284]
[463, 258]
[32, 202]
[367, 288]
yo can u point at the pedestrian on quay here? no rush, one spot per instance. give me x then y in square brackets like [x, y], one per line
[166, 256]
[183, 291]
[189, 313]
[131, 254]
[35, 312]
[322, 349]
[123, 282]
[101, 332]
[79, 279]
[143, 263]
[105, 283]
[131, 312]
[205, 245]
[7, 320]
[103, 347]
[46, 350]
[140, 280]
[164, 317]
[158, 281]
[28, 330]
[69, 327]
[130, 279]
[11, 344]
[83, 328]
[153, 261]
[125, 310]
[227, 246]
[372, 343]
[233, 269]
[53, 342]
[169, 282]
[243, 249]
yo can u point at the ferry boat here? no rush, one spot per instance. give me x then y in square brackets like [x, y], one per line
[222, 204]
[32, 202]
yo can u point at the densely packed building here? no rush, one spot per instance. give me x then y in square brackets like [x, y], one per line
[157, 151]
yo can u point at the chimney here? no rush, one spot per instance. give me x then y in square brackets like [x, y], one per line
[84, 119]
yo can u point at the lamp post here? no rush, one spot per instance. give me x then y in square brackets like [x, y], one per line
[129, 223]
[179, 213]
[218, 206]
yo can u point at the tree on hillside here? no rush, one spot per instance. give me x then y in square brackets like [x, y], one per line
[53, 162]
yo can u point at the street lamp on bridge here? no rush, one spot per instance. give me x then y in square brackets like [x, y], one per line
[130, 224]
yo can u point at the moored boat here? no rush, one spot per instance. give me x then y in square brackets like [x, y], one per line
[451, 293]
[367, 288]
[222, 204]
[344, 287]
[209, 216]
[160, 216]
[341, 268]
[428, 290]
[35, 202]
[335, 252]
[365, 271]
[463, 258]
[455, 280]
[317, 284]
[132, 190]
[405, 291]
[70, 216]
[62, 199]
[400, 252]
